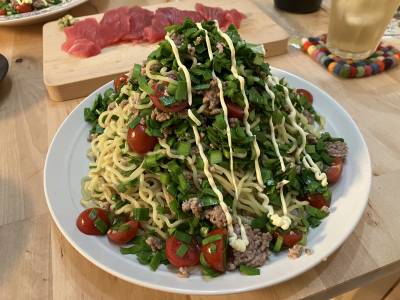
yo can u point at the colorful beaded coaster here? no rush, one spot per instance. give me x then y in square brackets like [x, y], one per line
[384, 58]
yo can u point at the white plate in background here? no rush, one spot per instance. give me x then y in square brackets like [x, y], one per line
[39, 15]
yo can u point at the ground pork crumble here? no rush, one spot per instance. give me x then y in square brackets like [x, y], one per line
[256, 252]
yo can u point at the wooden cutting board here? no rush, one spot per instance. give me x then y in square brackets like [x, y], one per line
[68, 77]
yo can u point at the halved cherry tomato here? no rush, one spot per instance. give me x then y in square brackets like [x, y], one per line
[139, 141]
[291, 238]
[306, 94]
[234, 110]
[3, 12]
[317, 200]
[23, 8]
[216, 258]
[191, 257]
[86, 223]
[155, 98]
[120, 81]
[124, 233]
[335, 170]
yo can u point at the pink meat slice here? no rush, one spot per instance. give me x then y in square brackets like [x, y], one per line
[84, 48]
[88, 29]
[224, 17]
[139, 18]
[166, 16]
[114, 25]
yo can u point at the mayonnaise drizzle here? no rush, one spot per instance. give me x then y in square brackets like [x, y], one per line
[246, 102]
[238, 244]
[182, 66]
[276, 147]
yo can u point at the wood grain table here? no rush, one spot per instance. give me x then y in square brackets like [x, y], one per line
[36, 262]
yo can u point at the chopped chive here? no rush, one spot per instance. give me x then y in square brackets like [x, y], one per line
[124, 227]
[136, 71]
[141, 213]
[181, 91]
[120, 204]
[203, 261]
[215, 157]
[144, 86]
[183, 148]
[122, 188]
[213, 248]
[211, 239]
[164, 178]
[250, 271]
[173, 167]
[183, 237]
[310, 149]
[135, 122]
[93, 214]
[182, 250]
[182, 183]
[278, 244]
[171, 89]
[101, 226]
[155, 261]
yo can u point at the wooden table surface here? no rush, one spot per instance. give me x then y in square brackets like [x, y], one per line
[36, 262]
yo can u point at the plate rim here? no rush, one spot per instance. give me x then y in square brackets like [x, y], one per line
[36, 15]
[346, 232]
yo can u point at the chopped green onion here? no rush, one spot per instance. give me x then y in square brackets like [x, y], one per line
[101, 226]
[141, 213]
[144, 86]
[203, 86]
[155, 261]
[183, 148]
[181, 251]
[181, 91]
[183, 237]
[260, 222]
[278, 244]
[173, 167]
[93, 214]
[213, 248]
[182, 183]
[171, 89]
[135, 122]
[215, 157]
[250, 271]
[315, 212]
[164, 178]
[124, 227]
[122, 188]
[136, 72]
[150, 161]
[208, 200]
[120, 204]
[211, 239]
[310, 149]
[203, 261]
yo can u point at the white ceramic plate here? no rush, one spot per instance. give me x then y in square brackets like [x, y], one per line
[66, 164]
[39, 15]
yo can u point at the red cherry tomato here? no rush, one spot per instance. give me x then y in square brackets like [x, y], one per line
[216, 259]
[335, 170]
[191, 257]
[291, 238]
[307, 94]
[3, 12]
[234, 110]
[23, 8]
[124, 234]
[86, 222]
[155, 98]
[317, 200]
[139, 141]
[120, 81]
